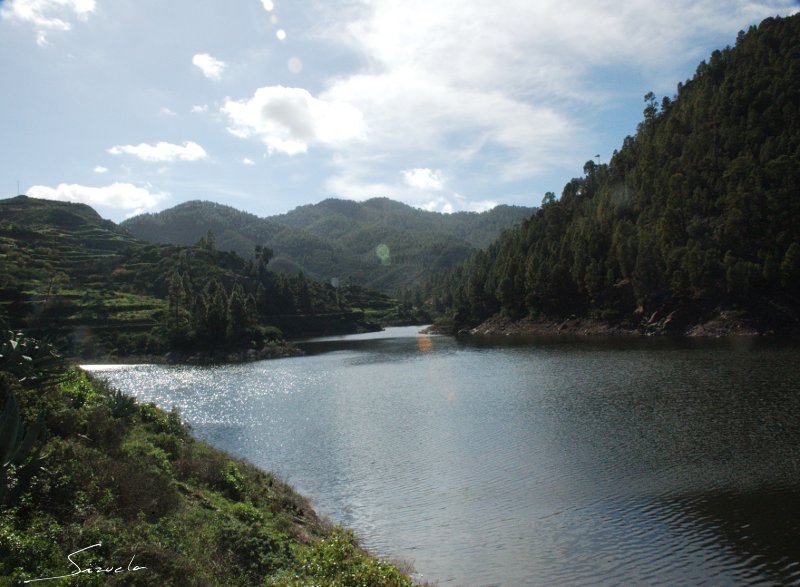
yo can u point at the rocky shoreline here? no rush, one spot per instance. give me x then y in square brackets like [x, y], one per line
[716, 323]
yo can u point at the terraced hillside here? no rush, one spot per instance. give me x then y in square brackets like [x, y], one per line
[57, 270]
[93, 288]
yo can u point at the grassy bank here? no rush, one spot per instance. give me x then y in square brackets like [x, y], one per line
[87, 465]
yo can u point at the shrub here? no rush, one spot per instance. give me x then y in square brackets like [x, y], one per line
[271, 333]
[337, 561]
[232, 481]
[200, 463]
[148, 491]
[122, 406]
[160, 421]
[256, 550]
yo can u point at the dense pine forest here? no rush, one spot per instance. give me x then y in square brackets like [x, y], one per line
[698, 213]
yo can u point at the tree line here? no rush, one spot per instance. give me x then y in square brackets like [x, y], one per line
[230, 310]
[699, 208]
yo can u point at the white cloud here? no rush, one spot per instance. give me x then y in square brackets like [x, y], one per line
[426, 188]
[523, 45]
[507, 89]
[248, 161]
[199, 109]
[268, 5]
[448, 205]
[424, 179]
[101, 169]
[481, 206]
[162, 151]
[288, 120]
[122, 196]
[212, 68]
[47, 15]
[166, 111]
[439, 205]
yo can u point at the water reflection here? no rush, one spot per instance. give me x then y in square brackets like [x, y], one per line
[526, 461]
[425, 344]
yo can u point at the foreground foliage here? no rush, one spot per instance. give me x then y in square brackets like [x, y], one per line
[104, 470]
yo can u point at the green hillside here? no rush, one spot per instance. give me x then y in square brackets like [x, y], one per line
[125, 491]
[82, 281]
[696, 216]
[379, 243]
[57, 270]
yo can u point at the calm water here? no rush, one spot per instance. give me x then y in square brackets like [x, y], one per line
[536, 462]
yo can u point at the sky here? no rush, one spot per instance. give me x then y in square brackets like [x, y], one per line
[135, 106]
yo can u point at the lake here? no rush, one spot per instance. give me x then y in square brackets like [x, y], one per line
[538, 461]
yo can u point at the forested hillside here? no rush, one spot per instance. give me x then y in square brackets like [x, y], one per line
[379, 243]
[87, 284]
[697, 214]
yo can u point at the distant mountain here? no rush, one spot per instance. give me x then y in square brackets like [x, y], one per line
[335, 219]
[379, 243]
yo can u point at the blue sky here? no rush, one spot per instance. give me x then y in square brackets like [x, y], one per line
[264, 105]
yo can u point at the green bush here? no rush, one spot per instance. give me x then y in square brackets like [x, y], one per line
[338, 562]
[271, 333]
[233, 481]
[160, 421]
[146, 454]
[254, 549]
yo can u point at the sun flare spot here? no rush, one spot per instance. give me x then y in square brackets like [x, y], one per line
[383, 254]
[425, 344]
[295, 65]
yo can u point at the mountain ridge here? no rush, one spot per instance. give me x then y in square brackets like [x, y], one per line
[338, 238]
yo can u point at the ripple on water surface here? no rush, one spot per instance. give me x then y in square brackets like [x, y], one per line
[525, 462]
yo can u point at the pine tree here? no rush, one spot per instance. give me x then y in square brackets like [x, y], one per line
[212, 315]
[240, 318]
[177, 320]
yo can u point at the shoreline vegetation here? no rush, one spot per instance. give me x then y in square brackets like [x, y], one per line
[277, 350]
[90, 473]
[680, 323]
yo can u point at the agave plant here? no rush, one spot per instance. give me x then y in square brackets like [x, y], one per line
[30, 360]
[122, 405]
[17, 453]
[31, 363]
